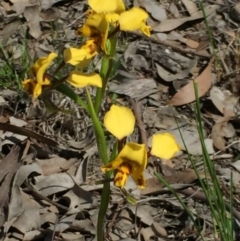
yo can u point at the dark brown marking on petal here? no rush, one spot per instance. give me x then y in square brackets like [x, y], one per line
[140, 181]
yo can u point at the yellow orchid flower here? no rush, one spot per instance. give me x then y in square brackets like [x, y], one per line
[97, 27]
[81, 80]
[134, 19]
[132, 160]
[164, 146]
[80, 57]
[119, 121]
[106, 6]
[34, 86]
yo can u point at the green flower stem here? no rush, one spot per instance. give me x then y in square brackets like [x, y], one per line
[107, 64]
[102, 148]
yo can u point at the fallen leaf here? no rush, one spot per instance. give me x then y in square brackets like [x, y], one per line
[55, 165]
[170, 24]
[155, 9]
[31, 13]
[217, 134]
[153, 185]
[29, 220]
[19, 5]
[187, 94]
[6, 33]
[190, 6]
[8, 167]
[135, 88]
[54, 183]
[167, 76]
[142, 213]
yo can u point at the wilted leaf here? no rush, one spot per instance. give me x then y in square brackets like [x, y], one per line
[187, 94]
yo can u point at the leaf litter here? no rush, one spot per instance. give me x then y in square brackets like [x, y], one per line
[51, 187]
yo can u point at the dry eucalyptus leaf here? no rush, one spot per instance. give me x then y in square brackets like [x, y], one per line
[141, 213]
[135, 88]
[45, 4]
[155, 9]
[24, 171]
[191, 6]
[55, 164]
[30, 219]
[7, 32]
[153, 185]
[218, 140]
[72, 236]
[167, 76]
[19, 5]
[187, 94]
[147, 233]
[217, 97]
[31, 13]
[170, 24]
[236, 164]
[64, 223]
[54, 183]
[8, 167]
[159, 230]
[15, 205]
[17, 122]
[31, 235]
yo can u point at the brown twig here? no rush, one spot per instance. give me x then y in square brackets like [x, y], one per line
[112, 221]
[173, 47]
[140, 123]
[29, 186]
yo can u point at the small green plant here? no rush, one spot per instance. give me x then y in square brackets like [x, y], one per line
[222, 219]
[11, 74]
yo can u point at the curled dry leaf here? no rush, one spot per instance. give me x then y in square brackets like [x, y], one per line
[187, 94]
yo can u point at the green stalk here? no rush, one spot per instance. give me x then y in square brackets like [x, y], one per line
[102, 148]
[101, 142]
[107, 64]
